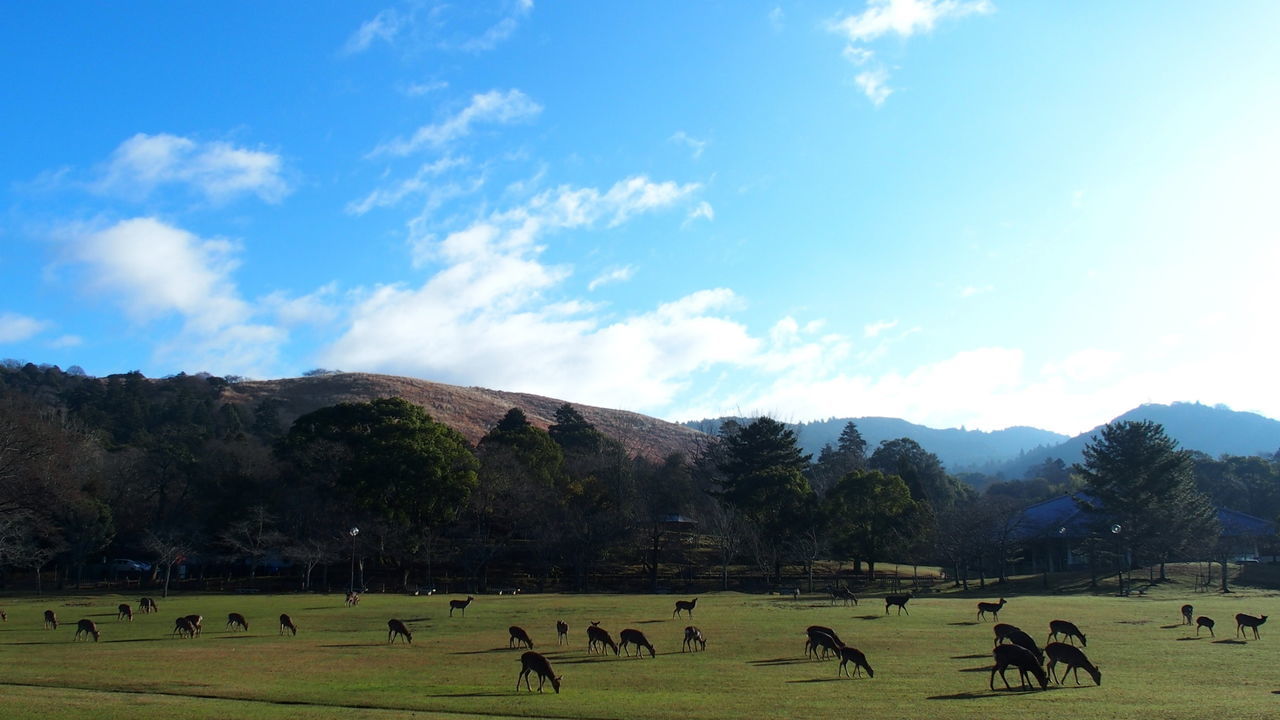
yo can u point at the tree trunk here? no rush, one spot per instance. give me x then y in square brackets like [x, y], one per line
[1225, 589]
[168, 570]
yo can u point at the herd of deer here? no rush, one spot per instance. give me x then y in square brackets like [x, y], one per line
[1242, 621]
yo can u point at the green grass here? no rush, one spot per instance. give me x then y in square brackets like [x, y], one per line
[932, 663]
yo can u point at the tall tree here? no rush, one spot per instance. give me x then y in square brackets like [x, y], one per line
[1140, 486]
[834, 462]
[921, 470]
[867, 510]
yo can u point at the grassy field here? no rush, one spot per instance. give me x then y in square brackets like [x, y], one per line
[934, 662]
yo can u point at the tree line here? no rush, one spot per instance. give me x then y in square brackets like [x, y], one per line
[164, 470]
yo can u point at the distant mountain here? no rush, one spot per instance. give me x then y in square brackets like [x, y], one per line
[471, 411]
[1213, 430]
[959, 449]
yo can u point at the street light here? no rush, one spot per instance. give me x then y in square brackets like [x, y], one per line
[353, 532]
[1120, 560]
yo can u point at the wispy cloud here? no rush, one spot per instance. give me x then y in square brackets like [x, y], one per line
[418, 25]
[969, 291]
[496, 106]
[694, 144]
[777, 18]
[608, 277]
[384, 27]
[900, 18]
[874, 329]
[17, 328]
[217, 170]
[420, 182]
[424, 88]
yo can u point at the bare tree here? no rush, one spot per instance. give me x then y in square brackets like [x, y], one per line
[168, 549]
[310, 552]
[252, 538]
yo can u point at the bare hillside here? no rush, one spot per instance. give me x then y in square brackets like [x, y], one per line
[469, 410]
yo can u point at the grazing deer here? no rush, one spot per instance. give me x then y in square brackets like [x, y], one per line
[824, 638]
[562, 632]
[899, 600]
[693, 637]
[631, 636]
[685, 605]
[460, 605]
[182, 627]
[236, 620]
[87, 628]
[1074, 659]
[518, 635]
[124, 612]
[50, 620]
[4, 616]
[847, 655]
[988, 607]
[1186, 614]
[396, 627]
[598, 638]
[197, 623]
[1002, 631]
[532, 662]
[353, 598]
[1206, 622]
[1067, 629]
[1248, 621]
[845, 594]
[286, 623]
[1020, 658]
[1023, 640]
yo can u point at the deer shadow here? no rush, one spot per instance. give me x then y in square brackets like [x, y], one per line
[421, 619]
[593, 659]
[963, 696]
[650, 622]
[985, 668]
[1230, 642]
[867, 617]
[236, 637]
[486, 652]
[140, 640]
[471, 694]
[815, 680]
[777, 661]
[354, 645]
[967, 622]
[1189, 638]
[979, 656]
[1171, 627]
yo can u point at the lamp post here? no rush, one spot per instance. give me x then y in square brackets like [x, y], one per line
[353, 532]
[1120, 558]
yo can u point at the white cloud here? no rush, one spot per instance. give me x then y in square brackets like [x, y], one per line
[66, 341]
[777, 18]
[420, 89]
[420, 183]
[218, 170]
[418, 25]
[495, 106]
[874, 329]
[693, 143]
[315, 308]
[157, 270]
[702, 210]
[16, 328]
[858, 55]
[904, 18]
[609, 277]
[873, 85]
[969, 291]
[384, 26]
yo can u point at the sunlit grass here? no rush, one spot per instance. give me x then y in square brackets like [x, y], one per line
[933, 662]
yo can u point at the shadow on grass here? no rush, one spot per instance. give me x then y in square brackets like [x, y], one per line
[421, 619]
[1165, 627]
[815, 680]
[1230, 642]
[777, 661]
[964, 696]
[1189, 638]
[984, 668]
[967, 622]
[351, 645]
[145, 640]
[237, 637]
[979, 656]
[650, 622]
[43, 642]
[485, 652]
[592, 659]
[867, 617]
[473, 694]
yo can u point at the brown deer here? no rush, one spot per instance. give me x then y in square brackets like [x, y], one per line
[518, 635]
[1205, 622]
[1067, 629]
[821, 637]
[460, 605]
[686, 606]
[397, 627]
[847, 655]
[989, 607]
[353, 598]
[147, 605]
[87, 628]
[532, 662]
[562, 632]
[1186, 614]
[197, 623]
[693, 640]
[845, 594]
[4, 616]
[286, 623]
[1020, 658]
[182, 627]
[1073, 658]
[1248, 621]
[598, 638]
[1002, 631]
[899, 600]
[124, 612]
[236, 620]
[631, 636]
[50, 620]
[1025, 641]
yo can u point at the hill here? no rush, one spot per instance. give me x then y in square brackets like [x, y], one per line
[1213, 430]
[471, 411]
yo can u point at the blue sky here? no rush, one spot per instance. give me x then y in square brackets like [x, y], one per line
[958, 212]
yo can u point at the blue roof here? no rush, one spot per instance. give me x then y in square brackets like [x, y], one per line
[1062, 517]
